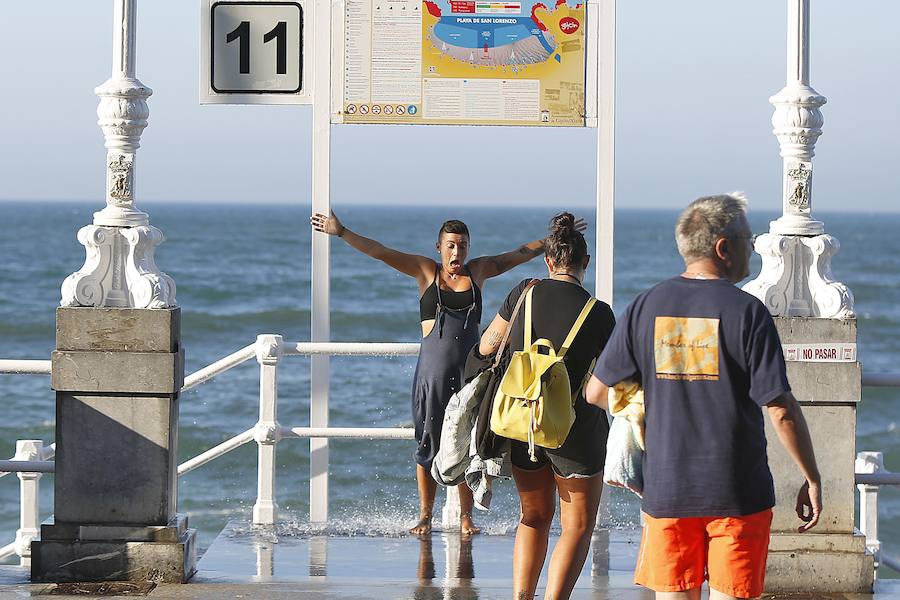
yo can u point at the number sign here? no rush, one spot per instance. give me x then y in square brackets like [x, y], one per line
[253, 52]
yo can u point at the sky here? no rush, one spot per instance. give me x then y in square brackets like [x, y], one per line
[693, 117]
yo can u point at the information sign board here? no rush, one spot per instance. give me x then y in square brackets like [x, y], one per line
[253, 52]
[477, 62]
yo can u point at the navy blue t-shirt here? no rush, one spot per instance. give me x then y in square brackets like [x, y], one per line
[708, 357]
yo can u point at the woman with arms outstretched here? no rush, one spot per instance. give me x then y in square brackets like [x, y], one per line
[450, 312]
[573, 472]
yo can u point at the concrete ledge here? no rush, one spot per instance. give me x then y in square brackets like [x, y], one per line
[117, 372]
[811, 330]
[118, 329]
[826, 382]
[817, 542]
[805, 571]
[75, 561]
[170, 533]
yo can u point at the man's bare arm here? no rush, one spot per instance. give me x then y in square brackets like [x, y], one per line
[596, 392]
[790, 425]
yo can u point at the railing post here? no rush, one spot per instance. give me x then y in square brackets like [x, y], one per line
[29, 511]
[268, 432]
[869, 462]
[450, 514]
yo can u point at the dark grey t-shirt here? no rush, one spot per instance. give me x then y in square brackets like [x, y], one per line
[708, 357]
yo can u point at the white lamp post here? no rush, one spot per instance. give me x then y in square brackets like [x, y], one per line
[119, 269]
[796, 279]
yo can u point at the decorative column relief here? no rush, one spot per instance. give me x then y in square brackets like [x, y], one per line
[119, 268]
[796, 278]
[797, 123]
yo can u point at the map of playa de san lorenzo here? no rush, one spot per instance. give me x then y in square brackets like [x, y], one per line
[528, 55]
[475, 62]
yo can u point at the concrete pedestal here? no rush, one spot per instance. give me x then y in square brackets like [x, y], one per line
[831, 558]
[117, 375]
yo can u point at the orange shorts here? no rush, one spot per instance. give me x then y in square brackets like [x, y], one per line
[679, 554]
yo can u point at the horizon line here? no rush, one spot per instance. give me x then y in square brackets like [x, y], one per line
[510, 204]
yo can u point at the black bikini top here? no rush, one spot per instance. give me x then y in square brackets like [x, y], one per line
[449, 299]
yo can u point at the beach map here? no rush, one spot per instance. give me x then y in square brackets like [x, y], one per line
[464, 62]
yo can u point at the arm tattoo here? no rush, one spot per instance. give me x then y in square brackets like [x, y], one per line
[494, 338]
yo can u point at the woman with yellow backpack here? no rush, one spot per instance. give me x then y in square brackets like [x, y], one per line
[558, 440]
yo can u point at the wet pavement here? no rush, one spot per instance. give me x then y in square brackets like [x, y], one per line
[244, 563]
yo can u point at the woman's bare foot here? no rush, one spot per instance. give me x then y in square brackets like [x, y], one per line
[467, 526]
[423, 527]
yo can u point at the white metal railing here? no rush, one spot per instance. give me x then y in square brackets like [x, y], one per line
[268, 351]
[29, 464]
[24, 367]
[870, 476]
[31, 458]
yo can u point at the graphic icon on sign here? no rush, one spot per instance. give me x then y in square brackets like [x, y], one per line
[401, 109]
[388, 109]
[363, 109]
[569, 25]
[376, 110]
[351, 109]
[412, 109]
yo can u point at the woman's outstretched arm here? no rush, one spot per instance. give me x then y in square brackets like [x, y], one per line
[485, 267]
[414, 265]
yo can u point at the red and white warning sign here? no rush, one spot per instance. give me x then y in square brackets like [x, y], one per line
[825, 352]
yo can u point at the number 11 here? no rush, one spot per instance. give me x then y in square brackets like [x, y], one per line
[242, 34]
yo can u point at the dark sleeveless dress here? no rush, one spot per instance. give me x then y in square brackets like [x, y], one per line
[439, 372]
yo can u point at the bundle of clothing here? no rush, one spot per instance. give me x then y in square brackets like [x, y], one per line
[625, 444]
[470, 452]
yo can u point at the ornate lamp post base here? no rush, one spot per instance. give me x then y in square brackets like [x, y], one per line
[119, 270]
[796, 280]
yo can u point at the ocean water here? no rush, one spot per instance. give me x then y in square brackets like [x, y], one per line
[244, 270]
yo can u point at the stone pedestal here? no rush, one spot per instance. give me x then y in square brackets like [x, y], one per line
[117, 375]
[826, 378]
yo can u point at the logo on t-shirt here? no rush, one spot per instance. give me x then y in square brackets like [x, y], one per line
[686, 348]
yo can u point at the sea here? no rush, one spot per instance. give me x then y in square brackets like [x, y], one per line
[244, 270]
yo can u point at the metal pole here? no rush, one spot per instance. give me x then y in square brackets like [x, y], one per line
[268, 431]
[606, 151]
[321, 263]
[29, 494]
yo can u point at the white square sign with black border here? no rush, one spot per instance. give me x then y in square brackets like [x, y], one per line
[254, 52]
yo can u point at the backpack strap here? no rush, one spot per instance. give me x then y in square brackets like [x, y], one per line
[499, 355]
[578, 323]
[527, 336]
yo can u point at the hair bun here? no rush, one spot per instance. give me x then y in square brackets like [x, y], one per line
[562, 224]
[565, 245]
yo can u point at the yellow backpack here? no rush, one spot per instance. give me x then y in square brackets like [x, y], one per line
[534, 402]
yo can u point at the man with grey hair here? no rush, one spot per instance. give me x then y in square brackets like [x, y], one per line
[708, 357]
